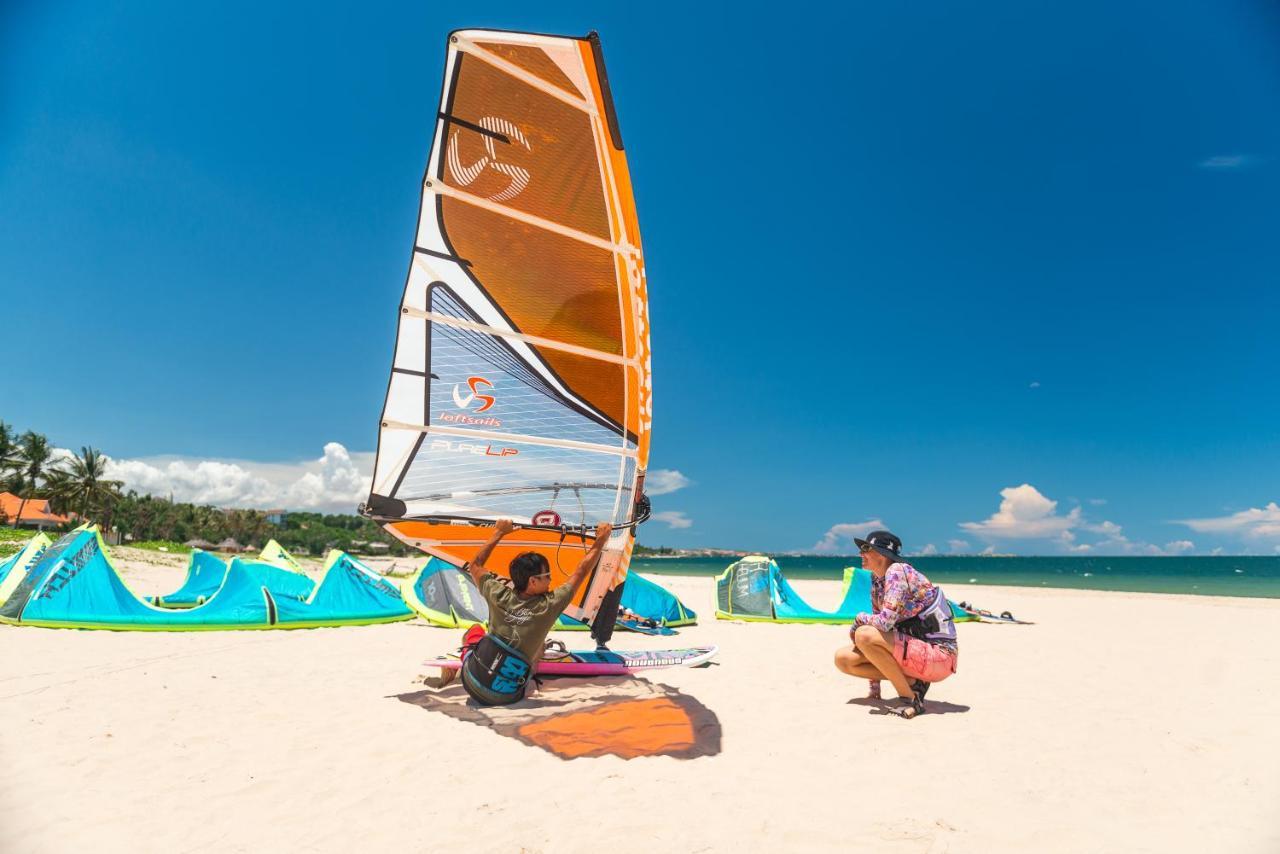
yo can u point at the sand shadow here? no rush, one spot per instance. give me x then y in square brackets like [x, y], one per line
[891, 707]
[603, 716]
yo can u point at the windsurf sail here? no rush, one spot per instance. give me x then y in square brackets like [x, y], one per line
[520, 386]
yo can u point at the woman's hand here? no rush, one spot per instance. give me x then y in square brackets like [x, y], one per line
[503, 527]
[603, 530]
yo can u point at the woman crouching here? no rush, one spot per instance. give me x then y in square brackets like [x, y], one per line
[911, 638]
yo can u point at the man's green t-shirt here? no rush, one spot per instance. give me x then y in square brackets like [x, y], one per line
[523, 622]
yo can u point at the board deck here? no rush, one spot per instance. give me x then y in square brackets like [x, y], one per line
[606, 662]
[988, 617]
[985, 616]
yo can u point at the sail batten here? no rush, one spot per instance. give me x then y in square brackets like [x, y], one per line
[520, 385]
[520, 336]
[529, 219]
[619, 450]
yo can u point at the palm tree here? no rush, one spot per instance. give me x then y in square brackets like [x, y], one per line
[33, 460]
[8, 449]
[83, 486]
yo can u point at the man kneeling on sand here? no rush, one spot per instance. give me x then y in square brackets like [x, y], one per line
[496, 668]
[911, 638]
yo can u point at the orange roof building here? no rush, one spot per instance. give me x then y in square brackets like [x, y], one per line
[36, 513]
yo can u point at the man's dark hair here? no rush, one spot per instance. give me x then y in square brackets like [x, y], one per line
[526, 565]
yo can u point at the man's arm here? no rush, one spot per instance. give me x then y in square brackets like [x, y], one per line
[592, 557]
[476, 568]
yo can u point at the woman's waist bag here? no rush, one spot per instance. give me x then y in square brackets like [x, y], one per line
[494, 672]
[934, 623]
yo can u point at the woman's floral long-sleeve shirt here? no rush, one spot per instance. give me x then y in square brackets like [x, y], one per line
[901, 594]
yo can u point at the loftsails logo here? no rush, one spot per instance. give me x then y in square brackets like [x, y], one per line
[475, 384]
[494, 130]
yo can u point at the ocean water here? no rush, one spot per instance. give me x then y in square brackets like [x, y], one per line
[1207, 576]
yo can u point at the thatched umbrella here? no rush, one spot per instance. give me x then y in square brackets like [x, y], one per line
[230, 545]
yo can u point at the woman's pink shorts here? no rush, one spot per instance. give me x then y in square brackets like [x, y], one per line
[923, 660]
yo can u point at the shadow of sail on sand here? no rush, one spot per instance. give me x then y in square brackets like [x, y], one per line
[605, 716]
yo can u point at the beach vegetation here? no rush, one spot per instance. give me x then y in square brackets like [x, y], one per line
[8, 449]
[645, 551]
[12, 540]
[80, 485]
[27, 469]
[161, 546]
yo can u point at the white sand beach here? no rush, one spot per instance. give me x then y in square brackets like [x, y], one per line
[1118, 722]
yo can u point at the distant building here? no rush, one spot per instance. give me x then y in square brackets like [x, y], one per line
[36, 513]
[276, 517]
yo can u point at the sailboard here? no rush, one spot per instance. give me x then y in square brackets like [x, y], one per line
[605, 662]
[521, 383]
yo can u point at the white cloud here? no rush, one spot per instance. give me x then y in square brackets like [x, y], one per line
[929, 549]
[664, 481]
[839, 538]
[1252, 524]
[958, 546]
[336, 482]
[1221, 162]
[1110, 530]
[673, 519]
[336, 479]
[1025, 514]
[1178, 547]
[1034, 384]
[1097, 502]
[1115, 542]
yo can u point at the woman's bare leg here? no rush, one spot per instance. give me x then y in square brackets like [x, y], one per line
[849, 660]
[875, 646]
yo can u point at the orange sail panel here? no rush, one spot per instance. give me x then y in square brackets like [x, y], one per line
[521, 381]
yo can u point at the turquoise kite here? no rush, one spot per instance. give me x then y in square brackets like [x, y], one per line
[754, 589]
[74, 585]
[647, 600]
[205, 573]
[13, 570]
[445, 596]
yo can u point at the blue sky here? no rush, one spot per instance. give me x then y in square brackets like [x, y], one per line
[1002, 275]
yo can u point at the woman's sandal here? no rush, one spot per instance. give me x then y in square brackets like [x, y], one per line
[909, 708]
